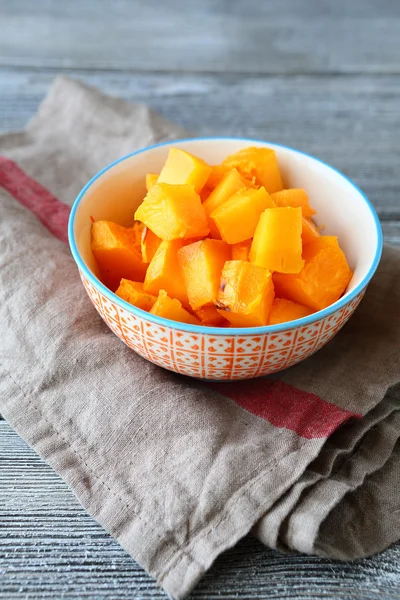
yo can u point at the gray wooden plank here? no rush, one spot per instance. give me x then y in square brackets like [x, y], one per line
[50, 548]
[278, 36]
[352, 123]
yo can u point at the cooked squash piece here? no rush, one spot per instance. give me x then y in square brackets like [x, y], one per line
[294, 197]
[216, 175]
[209, 315]
[163, 272]
[173, 212]
[309, 231]
[231, 183]
[151, 179]
[283, 310]
[237, 218]
[134, 293]
[171, 308]
[246, 294]
[323, 279]
[115, 250]
[277, 240]
[149, 243]
[201, 265]
[259, 165]
[184, 168]
[241, 250]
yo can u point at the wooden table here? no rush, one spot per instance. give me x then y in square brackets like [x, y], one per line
[321, 76]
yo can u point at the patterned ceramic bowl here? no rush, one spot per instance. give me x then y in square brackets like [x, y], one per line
[220, 353]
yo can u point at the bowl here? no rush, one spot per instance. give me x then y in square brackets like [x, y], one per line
[217, 353]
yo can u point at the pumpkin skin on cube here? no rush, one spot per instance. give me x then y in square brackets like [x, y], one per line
[201, 265]
[134, 293]
[151, 179]
[231, 183]
[259, 165]
[283, 310]
[277, 244]
[324, 278]
[237, 218]
[246, 294]
[115, 250]
[309, 231]
[163, 272]
[171, 308]
[241, 250]
[173, 212]
[148, 244]
[184, 168]
[209, 315]
[294, 197]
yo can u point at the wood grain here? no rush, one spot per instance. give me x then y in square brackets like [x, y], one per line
[278, 36]
[351, 123]
[50, 548]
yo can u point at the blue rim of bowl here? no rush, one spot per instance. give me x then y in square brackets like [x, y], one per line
[223, 330]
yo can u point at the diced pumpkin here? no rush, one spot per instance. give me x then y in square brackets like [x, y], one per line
[216, 175]
[151, 179]
[277, 240]
[137, 235]
[149, 243]
[283, 310]
[201, 265]
[209, 315]
[322, 281]
[231, 183]
[205, 192]
[171, 308]
[134, 293]
[115, 250]
[259, 165]
[241, 250]
[246, 294]
[294, 197]
[309, 231]
[237, 218]
[163, 272]
[173, 212]
[184, 168]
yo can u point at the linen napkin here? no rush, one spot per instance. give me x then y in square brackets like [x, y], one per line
[175, 469]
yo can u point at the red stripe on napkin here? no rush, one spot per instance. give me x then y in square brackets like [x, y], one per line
[283, 405]
[49, 210]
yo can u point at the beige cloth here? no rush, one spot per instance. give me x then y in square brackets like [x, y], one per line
[175, 471]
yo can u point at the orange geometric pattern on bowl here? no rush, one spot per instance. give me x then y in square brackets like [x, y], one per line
[218, 357]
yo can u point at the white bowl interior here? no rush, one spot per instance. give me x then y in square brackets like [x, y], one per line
[341, 209]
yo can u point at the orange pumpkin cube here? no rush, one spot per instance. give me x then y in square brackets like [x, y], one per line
[184, 168]
[116, 252]
[231, 183]
[294, 197]
[209, 316]
[217, 174]
[171, 308]
[163, 272]
[277, 240]
[241, 250]
[148, 244]
[324, 278]
[201, 265]
[237, 218]
[309, 231]
[134, 293]
[259, 165]
[246, 294]
[283, 310]
[173, 212]
[151, 179]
